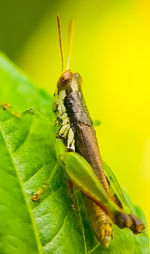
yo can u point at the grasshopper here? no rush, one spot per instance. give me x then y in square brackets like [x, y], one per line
[77, 148]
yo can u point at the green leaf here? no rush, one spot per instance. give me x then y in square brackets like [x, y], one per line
[18, 91]
[27, 160]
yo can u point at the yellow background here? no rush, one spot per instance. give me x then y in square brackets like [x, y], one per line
[111, 51]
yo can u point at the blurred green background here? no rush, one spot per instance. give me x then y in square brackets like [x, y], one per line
[111, 50]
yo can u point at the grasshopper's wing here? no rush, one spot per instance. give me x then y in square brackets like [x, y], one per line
[116, 189]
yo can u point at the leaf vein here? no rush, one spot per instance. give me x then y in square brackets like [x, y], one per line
[52, 239]
[39, 246]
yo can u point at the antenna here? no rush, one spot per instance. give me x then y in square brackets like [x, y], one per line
[70, 39]
[60, 41]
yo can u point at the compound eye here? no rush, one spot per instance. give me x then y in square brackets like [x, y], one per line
[65, 80]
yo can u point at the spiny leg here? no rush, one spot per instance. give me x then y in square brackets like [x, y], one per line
[37, 195]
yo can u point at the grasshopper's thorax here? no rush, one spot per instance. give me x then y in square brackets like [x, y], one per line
[68, 82]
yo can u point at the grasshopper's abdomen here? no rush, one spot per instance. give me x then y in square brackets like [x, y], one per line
[100, 222]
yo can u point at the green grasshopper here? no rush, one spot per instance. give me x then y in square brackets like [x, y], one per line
[77, 149]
